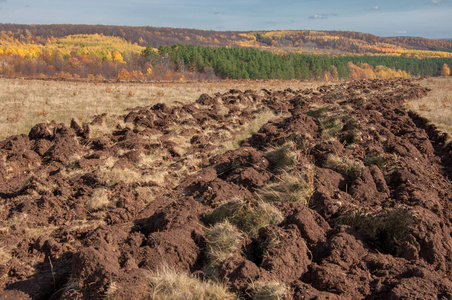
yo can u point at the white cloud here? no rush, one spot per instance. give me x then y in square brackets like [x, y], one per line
[375, 7]
[322, 16]
[436, 2]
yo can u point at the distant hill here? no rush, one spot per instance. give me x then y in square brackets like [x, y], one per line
[330, 43]
[101, 52]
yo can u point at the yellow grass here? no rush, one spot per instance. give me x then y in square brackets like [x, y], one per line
[99, 199]
[291, 188]
[249, 129]
[5, 256]
[167, 283]
[223, 240]
[24, 103]
[273, 290]
[29, 232]
[437, 105]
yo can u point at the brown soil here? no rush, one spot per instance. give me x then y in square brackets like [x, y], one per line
[85, 218]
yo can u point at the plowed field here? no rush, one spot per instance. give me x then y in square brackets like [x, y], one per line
[343, 194]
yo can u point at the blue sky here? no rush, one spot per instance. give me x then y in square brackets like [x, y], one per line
[427, 18]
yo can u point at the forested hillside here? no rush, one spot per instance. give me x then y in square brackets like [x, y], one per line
[251, 63]
[145, 53]
[315, 42]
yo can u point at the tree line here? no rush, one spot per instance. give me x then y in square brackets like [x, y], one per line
[249, 63]
[99, 57]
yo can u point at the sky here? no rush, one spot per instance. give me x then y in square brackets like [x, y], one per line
[425, 18]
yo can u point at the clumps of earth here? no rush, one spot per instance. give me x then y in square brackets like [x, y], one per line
[339, 193]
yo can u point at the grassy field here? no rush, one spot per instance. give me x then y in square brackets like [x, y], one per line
[437, 105]
[24, 103]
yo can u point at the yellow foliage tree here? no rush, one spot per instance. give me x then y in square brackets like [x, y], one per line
[117, 57]
[64, 75]
[445, 71]
[149, 72]
[334, 73]
[107, 57]
[361, 71]
[326, 76]
[123, 75]
[383, 72]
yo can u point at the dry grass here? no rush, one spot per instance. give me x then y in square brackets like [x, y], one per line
[108, 174]
[261, 215]
[330, 118]
[36, 232]
[144, 194]
[168, 284]
[437, 105]
[98, 200]
[272, 239]
[346, 166]
[71, 285]
[336, 122]
[248, 218]
[84, 225]
[5, 256]
[273, 290]
[223, 240]
[24, 103]
[387, 164]
[385, 229]
[108, 125]
[282, 158]
[29, 232]
[227, 210]
[289, 188]
[5, 224]
[249, 129]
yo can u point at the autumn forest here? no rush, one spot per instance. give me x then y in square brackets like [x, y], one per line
[141, 54]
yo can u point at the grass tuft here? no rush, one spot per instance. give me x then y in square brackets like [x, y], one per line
[168, 284]
[273, 290]
[5, 256]
[223, 240]
[98, 200]
[386, 230]
[331, 126]
[227, 210]
[108, 174]
[282, 158]
[345, 166]
[329, 117]
[263, 214]
[290, 188]
[272, 239]
[335, 120]
[375, 159]
[388, 165]
[248, 129]
[248, 218]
